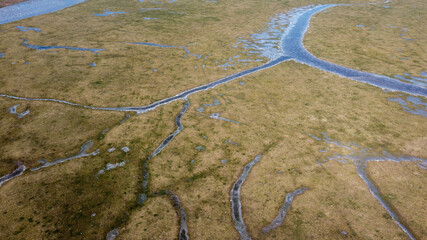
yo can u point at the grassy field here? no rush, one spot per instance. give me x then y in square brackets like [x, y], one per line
[276, 109]
[388, 37]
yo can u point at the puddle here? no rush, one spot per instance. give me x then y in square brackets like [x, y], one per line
[203, 106]
[12, 110]
[40, 48]
[266, 43]
[110, 166]
[108, 13]
[231, 142]
[217, 116]
[125, 149]
[413, 105]
[200, 148]
[150, 9]
[25, 29]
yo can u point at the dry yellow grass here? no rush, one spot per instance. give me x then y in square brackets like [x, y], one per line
[49, 131]
[379, 46]
[403, 185]
[277, 108]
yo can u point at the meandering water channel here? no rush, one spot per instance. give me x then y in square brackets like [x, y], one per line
[283, 210]
[236, 206]
[291, 48]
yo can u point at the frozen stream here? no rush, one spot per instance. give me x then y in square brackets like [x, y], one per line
[183, 229]
[33, 8]
[292, 46]
[236, 206]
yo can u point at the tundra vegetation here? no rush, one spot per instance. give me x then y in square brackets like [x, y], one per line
[308, 125]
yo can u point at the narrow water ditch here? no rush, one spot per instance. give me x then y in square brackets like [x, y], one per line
[82, 153]
[18, 171]
[145, 171]
[360, 157]
[283, 210]
[183, 229]
[236, 206]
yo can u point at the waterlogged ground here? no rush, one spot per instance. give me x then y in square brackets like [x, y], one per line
[326, 157]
